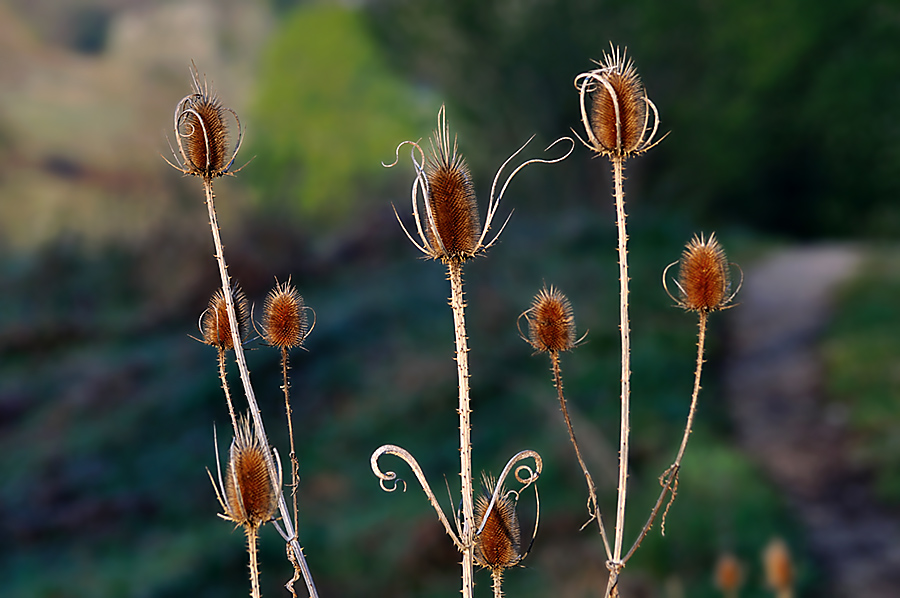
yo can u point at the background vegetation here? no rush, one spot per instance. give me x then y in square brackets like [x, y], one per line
[781, 130]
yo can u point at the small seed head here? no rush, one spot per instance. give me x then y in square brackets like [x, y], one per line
[551, 324]
[499, 545]
[250, 496]
[778, 565]
[704, 280]
[728, 574]
[284, 317]
[215, 325]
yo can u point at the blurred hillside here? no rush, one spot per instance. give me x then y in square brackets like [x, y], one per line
[779, 132]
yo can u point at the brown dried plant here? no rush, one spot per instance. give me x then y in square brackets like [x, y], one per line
[498, 546]
[779, 568]
[728, 575]
[216, 330]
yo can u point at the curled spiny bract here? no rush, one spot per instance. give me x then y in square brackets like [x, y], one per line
[618, 120]
[284, 317]
[551, 323]
[704, 278]
[499, 545]
[250, 497]
[214, 323]
[202, 133]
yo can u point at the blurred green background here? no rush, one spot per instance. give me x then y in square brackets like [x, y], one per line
[783, 130]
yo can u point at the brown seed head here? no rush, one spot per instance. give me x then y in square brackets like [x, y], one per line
[250, 496]
[618, 123]
[284, 317]
[215, 324]
[704, 280]
[728, 575]
[778, 565]
[498, 546]
[551, 324]
[456, 227]
[201, 132]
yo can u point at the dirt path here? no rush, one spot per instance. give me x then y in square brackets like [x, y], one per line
[773, 378]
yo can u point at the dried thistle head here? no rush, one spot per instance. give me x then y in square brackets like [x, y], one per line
[704, 278]
[499, 544]
[284, 317]
[617, 123]
[448, 225]
[778, 565]
[247, 495]
[214, 323]
[202, 133]
[728, 574]
[551, 324]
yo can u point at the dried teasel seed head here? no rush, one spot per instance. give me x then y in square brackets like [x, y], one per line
[778, 565]
[250, 497]
[456, 227]
[202, 133]
[617, 122]
[214, 323]
[551, 324]
[284, 317]
[728, 574]
[704, 279]
[499, 545]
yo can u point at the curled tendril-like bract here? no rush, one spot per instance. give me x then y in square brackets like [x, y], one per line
[447, 225]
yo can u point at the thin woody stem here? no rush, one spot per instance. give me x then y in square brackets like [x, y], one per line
[225, 389]
[467, 534]
[497, 579]
[252, 536]
[248, 388]
[592, 489]
[288, 414]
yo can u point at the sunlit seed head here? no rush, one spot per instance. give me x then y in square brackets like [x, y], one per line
[778, 565]
[215, 324]
[551, 323]
[704, 280]
[250, 497]
[284, 317]
[499, 544]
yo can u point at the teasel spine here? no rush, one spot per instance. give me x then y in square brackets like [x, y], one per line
[216, 330]
[499, 545]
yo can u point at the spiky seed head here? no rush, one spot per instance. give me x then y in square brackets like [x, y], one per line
[704, 280]
[451, 198]
[215, 325]
[551, 324]
[284, 317]
[499, 545]
[778, 565]
[728, 574]
[250, 496]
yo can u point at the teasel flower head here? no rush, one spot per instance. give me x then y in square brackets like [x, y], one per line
[447, 220]
[728, 575]
[615, 109]
[499, 545]
[284, 323]
[778, 566]
[202, 135]
[704, 277]
[214, 322]
[247, 494]
[551, 324]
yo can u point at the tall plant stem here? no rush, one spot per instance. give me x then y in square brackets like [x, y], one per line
[467, 534]
[252, 537]
[624, 328]
[290, 423]
[223, 377]
[592, 489]
[248, 388]
[497, 579]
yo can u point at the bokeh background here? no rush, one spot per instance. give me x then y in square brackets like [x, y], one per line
[783, 134]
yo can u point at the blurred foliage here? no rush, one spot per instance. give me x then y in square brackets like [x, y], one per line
[776, 109]
[328, 113]
[863, 375]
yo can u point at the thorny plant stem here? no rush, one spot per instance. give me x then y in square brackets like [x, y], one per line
[624, 327]
[497, 579]
[225, 389]
[287, 410]
[252, 537]
[248, 388]
[592, 489]
[467, 534]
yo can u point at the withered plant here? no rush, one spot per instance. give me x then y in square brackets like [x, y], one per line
[205, 149]
[448, 229]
